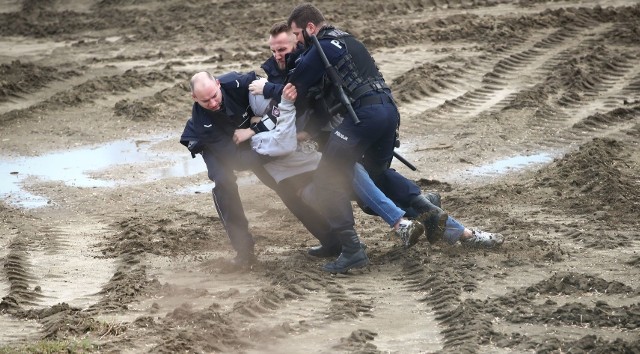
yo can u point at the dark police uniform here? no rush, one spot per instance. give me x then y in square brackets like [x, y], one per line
[371, 141]
[276, 77]
[210, 133]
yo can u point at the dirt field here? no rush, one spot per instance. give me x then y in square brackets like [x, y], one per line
[524, 115]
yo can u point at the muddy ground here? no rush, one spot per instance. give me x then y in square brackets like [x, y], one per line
[136, 265]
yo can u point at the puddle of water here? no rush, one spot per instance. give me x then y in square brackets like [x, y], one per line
[511, 164]
[244, 179]
[73, 167]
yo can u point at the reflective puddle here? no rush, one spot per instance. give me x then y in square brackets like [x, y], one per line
[511, 164]
[75, 167]
[78, 168]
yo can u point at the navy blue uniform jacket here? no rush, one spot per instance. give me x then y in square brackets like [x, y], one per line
[206, 126]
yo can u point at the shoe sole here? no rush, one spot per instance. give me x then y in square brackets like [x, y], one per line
[442, 226]
[438, 233]
[415, 236]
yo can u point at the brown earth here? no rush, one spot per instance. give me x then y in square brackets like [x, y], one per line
[137, 267]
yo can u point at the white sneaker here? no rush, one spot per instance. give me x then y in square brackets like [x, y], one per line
[409, 232]
[483, 239]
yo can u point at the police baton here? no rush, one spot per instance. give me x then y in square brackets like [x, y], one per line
[344, 99]
[404, 161]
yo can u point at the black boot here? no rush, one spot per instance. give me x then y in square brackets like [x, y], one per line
[325, 251]
[243, 261]
[434, 198]
[431, 216]
[352, 255]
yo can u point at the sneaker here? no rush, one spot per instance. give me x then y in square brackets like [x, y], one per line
[409, 232]
[483, 239]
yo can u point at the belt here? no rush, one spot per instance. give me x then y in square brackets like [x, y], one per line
[373, 99]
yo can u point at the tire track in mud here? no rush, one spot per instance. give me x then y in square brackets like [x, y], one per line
[468, 324]
[567, 309]
[443, 281]
[302, 307]
[526, 306]
[241, 321]
[58, 257]
[56, 279]
[20, 79]
[495, 75]
[489, 88]
[24, 291]
[92, 89]
[67, 254]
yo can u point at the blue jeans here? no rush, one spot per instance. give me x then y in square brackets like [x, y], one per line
[384, 207]
[452, 231]
[373, 138]
[372, 196]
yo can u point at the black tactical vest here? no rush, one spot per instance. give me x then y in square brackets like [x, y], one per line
[357, 70]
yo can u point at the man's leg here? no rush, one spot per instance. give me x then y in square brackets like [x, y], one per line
[334, 176]
[228, 204]
[408, 195]
[331, 192]
[314, 222]
[310, 218]
[374, 198]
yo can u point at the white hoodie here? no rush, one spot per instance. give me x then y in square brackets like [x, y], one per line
[295, 157]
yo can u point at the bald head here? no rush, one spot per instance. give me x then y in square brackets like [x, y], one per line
[199, 79]
[205, 90]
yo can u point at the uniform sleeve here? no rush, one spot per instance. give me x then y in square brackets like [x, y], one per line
[245, 79]
[281, 140]
[310, 69]
[272, 90]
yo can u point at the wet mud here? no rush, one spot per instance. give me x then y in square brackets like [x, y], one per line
[141, 267]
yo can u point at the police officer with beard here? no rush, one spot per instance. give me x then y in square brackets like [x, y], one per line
[370, 141]
[373, 137]
[283, 45]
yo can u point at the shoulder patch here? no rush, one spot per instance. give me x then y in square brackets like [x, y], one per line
[275, 111]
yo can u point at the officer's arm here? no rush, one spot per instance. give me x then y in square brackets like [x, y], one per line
[308, 72]
[245, 80]
[272, 90]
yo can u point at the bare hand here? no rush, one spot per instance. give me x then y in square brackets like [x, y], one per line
[289, 92]
[242, 135]
[256, 87]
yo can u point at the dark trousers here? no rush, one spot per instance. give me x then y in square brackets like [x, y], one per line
[397, 187]
[373, 138]
[220, 157]
[315, 223]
